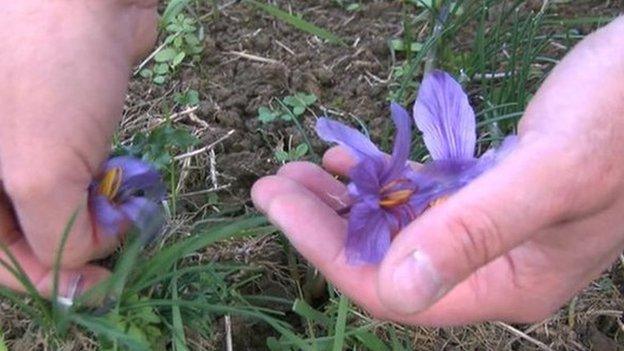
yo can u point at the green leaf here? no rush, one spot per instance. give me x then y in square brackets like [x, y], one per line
[281, 156]
[298, 110]
[341, 323]
[297, 22]
[159, 79]
[303, 309]
[399, 45]
[161, 68]
[109, 329]
[146, 73]
[179, 339]
[165, 55]
[265, 115]
[301, 150]
[3, 346]
[178, 58]
[174, 7]
[371, 341]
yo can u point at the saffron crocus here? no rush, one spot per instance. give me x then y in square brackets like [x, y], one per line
[386, 193]
[127, 193]
[447, 121]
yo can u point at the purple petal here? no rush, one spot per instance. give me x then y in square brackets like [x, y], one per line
[444, 116]
[138, 175]
[145, 215]
[402, 141]
[356, 142]
[109, 218]
[368, 236]
[366, 177]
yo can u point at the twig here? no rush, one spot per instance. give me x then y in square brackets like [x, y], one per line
[283, 46]
[151, 56]
[205, 191]
[213, 169]
[228, 333]
[253, 57]
[524, 336]
[205, 148]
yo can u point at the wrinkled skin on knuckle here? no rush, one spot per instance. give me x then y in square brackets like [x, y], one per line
[477, 239]
[38, 177]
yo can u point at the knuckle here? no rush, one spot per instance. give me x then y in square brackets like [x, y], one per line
[477, 237]
[27, 183]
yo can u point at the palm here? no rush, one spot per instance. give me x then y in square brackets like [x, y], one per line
[552, 265]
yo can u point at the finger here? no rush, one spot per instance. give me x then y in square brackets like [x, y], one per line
[530, 190]
[72, 282]
[338, 160]
[45, 206]
[318, 233]
[318, 181]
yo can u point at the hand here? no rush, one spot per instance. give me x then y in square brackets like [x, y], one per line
[65, 70]
[515, 244]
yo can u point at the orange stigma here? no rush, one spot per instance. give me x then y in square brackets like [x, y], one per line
[110, 183]
[396, 198]
[438, 201]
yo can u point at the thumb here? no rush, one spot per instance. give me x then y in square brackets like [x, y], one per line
[46, 201]
[532, 188]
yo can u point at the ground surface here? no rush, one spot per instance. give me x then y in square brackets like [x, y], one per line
[251, 60]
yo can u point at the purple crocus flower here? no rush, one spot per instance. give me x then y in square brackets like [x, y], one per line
[386, 193]
[447, 121]
[126, 194]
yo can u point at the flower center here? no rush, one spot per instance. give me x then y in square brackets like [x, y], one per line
[396, 198]
[110, 183]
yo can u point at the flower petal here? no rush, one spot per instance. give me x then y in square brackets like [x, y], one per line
[145, 215]
[356, 142]
[444, 116]
[365, 176]
[138, 175]
[109, 218]
[368, 236]
[402, 141]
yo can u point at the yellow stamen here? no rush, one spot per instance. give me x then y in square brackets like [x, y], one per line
[109, 186]
[396, 198]
[438, 201]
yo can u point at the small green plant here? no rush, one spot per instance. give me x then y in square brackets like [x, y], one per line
[293, 153]
[158, 145]
[351, 6]
[187, 98]
[290, 106]
[142, 324]
[183, 42]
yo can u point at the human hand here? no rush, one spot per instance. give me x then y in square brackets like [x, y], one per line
[65, 70]
[513, 245]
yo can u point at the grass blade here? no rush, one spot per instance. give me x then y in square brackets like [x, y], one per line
[341, 323]
[179, 339]
[297, 22]
[303, 309]
[104, 327]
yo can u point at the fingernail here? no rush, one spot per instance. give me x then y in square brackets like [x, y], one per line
[74, 289]
[417, 282]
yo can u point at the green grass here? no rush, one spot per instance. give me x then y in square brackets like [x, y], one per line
[170, 293]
